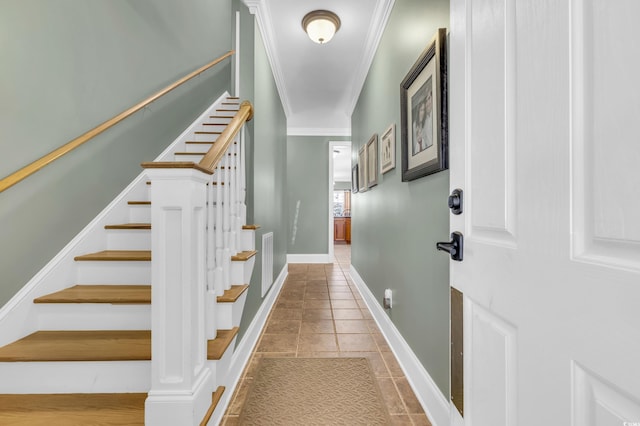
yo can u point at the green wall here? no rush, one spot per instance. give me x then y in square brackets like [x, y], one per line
[308, 192]
[266, 161]
[69, 65]
[395, 225]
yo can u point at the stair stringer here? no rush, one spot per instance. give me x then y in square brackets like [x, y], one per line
[19, 316]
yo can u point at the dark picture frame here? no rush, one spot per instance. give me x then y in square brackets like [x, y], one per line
[388, 149]
[423, 114]
[354, 179]
[362, 168]
[372, 161]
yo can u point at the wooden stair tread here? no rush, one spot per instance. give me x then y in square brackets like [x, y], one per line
[139, 203]
[215, 399]
[84, 345]
[97, 345]
[113, 294]
[231, 295]
[244, 255]
[189, 153]
[73, 409]
[254, 227]
[207, 133]
[217, 346]
[129, 226]
[222, 116]
[113, 255]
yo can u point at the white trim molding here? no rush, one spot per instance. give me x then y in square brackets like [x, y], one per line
[260, 9]
[376, 30]
[242, 354]
[309, 258]
[309, 131]
[435, 404]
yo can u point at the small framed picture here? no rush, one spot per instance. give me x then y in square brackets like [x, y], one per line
[372, 161]
[388, 149]
[354, 179]
[362, 169]
[423, 102]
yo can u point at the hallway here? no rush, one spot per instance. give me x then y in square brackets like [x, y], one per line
[319, 313]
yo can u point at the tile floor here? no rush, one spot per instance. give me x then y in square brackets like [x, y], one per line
[319, 313]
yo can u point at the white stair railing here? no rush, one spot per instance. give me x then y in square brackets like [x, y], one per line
[196, 221]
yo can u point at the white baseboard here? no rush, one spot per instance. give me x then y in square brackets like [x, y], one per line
[243, 351]
[435, 404]
[309, 258]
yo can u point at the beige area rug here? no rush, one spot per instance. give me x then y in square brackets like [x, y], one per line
[314, 391]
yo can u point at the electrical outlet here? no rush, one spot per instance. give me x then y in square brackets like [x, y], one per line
[387, 301]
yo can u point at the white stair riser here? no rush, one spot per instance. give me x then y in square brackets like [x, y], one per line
[140, 213]
[248, 239]
[211, 127]
[207, 137]
[75, 377]
[113, 272]
[93, 316]
[193, 158]
[128, 239]
[241, 271]
[199, 147]
[220, 368]
[230, 314]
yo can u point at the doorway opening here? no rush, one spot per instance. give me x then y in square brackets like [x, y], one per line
[339, 194]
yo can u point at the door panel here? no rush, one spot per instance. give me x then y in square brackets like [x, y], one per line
[493, 367]
[544, 124]
[606, 152]
[491, 152]
[598, 403]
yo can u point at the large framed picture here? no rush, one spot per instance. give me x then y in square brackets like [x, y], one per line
[362, 168]
[388, 149]
[372, 161]
[423, 103]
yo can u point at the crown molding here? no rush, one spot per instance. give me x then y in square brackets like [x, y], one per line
[319, 131]
[378, 23]
[260, 9]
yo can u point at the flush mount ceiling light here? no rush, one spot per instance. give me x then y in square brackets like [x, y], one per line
[321, 25]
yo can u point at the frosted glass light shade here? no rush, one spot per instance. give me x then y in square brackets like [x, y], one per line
[321, 25]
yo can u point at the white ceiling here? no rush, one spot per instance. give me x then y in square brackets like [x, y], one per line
[320, 84]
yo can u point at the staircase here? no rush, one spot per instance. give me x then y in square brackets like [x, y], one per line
[85, 351]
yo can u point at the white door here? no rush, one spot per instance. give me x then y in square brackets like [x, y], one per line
[545, 142]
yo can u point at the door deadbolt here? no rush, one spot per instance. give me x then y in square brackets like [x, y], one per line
[455, 201]
[454, 247]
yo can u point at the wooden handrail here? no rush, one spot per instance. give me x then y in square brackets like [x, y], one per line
[30, 169]
[215, 153]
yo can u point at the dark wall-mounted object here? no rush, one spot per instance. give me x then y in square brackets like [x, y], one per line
[455, 201]
[454, 247]
[457, 355]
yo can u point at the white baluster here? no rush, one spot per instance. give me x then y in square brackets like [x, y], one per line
[243, 180]
[238, 186]
[233, 207]
[226, 218]
[211, 294]
[219, 233]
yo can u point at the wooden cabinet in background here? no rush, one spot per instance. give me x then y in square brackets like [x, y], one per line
[342, 229]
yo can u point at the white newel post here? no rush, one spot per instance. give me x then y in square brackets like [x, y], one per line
[181, 383]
